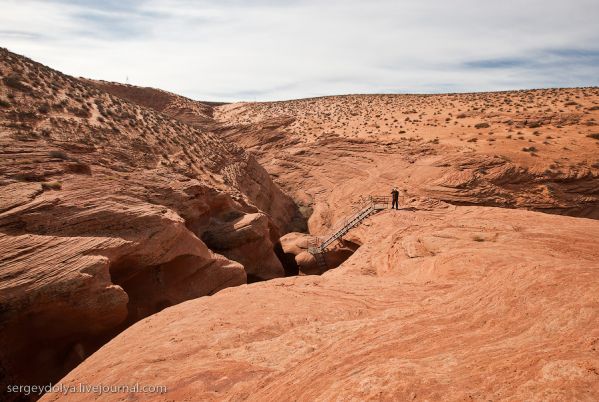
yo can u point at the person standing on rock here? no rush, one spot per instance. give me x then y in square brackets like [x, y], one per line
[395, 198]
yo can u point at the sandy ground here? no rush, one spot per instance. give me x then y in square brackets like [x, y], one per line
[555, 122]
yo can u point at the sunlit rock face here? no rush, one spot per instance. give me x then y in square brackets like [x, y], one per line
[449, 303]
[103, 207]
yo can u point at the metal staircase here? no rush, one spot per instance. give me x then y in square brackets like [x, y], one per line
[370, 206]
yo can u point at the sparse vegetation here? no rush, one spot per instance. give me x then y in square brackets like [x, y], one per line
[58, 155]
[52, 185]
[79, 168]
[15, 81]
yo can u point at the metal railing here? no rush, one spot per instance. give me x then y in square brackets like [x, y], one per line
[368, 206]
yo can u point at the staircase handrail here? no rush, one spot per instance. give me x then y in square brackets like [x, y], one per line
[367, 206]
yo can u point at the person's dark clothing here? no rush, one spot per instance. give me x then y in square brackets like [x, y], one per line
[395, 197]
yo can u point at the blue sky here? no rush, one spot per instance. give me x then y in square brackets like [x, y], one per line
[269, 50]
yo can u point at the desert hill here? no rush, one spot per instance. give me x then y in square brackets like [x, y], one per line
[533, 149]
[109, 212]
[198, 114]
[536, 149]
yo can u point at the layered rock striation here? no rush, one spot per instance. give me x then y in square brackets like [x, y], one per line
[111, 211]
[448, 303]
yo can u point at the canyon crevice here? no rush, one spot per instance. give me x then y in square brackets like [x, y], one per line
[111, 212]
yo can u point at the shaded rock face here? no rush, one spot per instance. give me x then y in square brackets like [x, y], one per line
[241, 233]
[450, 303]
[103, 205]
[249, 240]
[65, 285]
[296, 246]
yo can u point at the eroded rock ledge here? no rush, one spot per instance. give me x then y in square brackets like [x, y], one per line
[103, 208]
[450, 303]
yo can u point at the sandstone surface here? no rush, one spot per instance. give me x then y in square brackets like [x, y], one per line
[451, 303]
[120, 207]
[103, 207]
[538, 151]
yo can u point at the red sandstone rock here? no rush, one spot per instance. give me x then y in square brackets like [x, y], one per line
[113, 195]
[297, 244]
[246, 239]
[102, 206]
[448, 304]
[329, 151]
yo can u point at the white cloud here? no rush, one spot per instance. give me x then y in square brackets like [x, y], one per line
[264, 50]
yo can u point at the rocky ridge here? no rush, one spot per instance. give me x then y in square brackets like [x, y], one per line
[110, 212]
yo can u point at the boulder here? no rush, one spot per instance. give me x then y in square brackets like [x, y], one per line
[246, 239]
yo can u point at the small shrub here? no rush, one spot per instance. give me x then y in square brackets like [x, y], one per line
[45, 108]
[58, 155]
[4, 103]
[52, 185]
[478, 238]
[80, 112]
[594, 136]
[79, 168]
[14, 81]
[534, 124]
